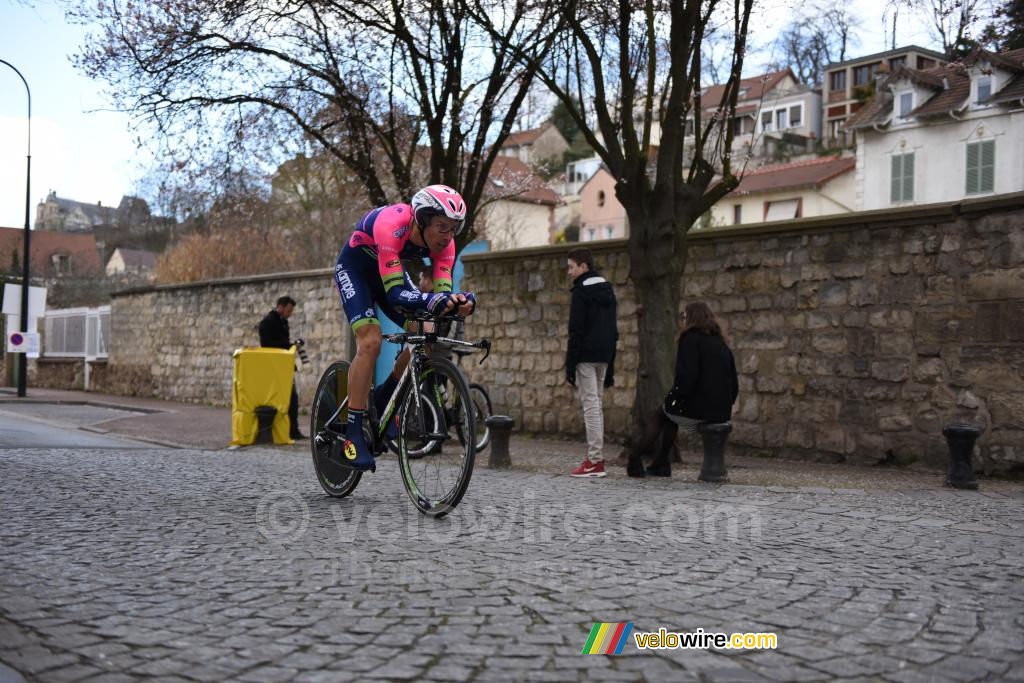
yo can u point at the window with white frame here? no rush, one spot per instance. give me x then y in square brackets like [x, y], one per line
[782, 119]
[902, 178]
[906, 104]
[591, 234]
[766, 121]
[984, 89]
[737, 214]
[981, 167]
[609, 231]
[796, 115]
[782, 210]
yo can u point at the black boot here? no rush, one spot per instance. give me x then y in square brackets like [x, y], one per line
[635, 467]
[660, 469]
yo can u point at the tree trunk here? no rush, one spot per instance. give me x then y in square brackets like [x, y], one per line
[656, 265]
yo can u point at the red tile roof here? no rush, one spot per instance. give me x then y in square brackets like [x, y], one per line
[44, 245]
[512, 180]
[524, 137]
[1014, 90]
[756, 87]
[797, 174]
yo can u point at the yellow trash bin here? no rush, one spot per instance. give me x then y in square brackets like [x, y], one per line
[262, 377]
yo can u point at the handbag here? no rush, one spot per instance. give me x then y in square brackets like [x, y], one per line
[673, 404]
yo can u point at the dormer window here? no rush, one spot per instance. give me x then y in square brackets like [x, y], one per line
[984, 89]
[906, 104]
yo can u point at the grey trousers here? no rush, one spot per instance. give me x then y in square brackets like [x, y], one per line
[590, 385]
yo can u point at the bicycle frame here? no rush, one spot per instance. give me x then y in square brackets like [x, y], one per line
[418, 341]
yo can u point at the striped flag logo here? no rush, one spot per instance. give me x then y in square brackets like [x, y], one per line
[607, 639]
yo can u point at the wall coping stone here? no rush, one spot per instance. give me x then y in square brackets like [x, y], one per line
[239, 280]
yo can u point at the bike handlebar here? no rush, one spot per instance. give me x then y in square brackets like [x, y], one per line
[402, 338]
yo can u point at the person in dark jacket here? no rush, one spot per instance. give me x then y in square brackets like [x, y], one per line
[590, 358]
[705, 389]
[274, 334]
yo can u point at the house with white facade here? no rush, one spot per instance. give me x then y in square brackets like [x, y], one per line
[518, 207]
[775, 114]
[848, 84]
[537, 146]
[941, 134]
[800, 189]
[125, 263]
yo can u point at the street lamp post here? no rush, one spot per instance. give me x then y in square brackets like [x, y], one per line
[22, 358]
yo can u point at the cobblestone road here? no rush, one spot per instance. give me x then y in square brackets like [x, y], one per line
[234, 566]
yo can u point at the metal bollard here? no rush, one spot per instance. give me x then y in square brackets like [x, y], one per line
[960, 438]
[501, 430]
[714, 436]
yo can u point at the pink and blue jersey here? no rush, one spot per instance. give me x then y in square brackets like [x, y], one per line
[369, 269]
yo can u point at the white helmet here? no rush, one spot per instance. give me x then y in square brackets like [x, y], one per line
[439, 200]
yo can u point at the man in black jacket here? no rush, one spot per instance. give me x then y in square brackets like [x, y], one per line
[590, 358]
[274, 334]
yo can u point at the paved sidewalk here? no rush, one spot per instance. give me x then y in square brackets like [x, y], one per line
[184, 425]
[195, 426]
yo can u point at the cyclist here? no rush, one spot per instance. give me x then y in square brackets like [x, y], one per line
[369, 271]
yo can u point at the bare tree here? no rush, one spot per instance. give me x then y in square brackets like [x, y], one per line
[952, 23]
[368, 80]
[811, 42]
[630, 74]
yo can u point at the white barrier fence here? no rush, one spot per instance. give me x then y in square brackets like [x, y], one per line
[77, 333]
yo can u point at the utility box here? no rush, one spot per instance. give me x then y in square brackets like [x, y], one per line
[260, 392]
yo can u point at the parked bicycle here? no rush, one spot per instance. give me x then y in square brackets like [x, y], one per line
[433, 404]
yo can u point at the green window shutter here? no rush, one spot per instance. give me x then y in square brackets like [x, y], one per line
[987, 176]
[973, 168]
[908, 177]
[896, 174]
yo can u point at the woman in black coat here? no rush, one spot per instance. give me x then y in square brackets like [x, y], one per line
[706, 386]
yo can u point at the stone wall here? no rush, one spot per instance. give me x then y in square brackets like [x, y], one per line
[175, 342]
[857, 336]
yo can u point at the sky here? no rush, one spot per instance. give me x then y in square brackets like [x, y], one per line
[83, 150]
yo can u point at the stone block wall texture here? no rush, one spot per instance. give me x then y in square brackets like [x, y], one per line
[176, 342]
[857, 337]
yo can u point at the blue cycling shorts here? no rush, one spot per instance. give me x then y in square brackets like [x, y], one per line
[357, 277]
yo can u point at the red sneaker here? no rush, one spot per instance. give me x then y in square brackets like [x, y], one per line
[589, 469]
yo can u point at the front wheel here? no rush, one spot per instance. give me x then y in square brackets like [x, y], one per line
[327, 424]
[437, 480]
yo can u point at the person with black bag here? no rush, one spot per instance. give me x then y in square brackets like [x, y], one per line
[705, 389]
